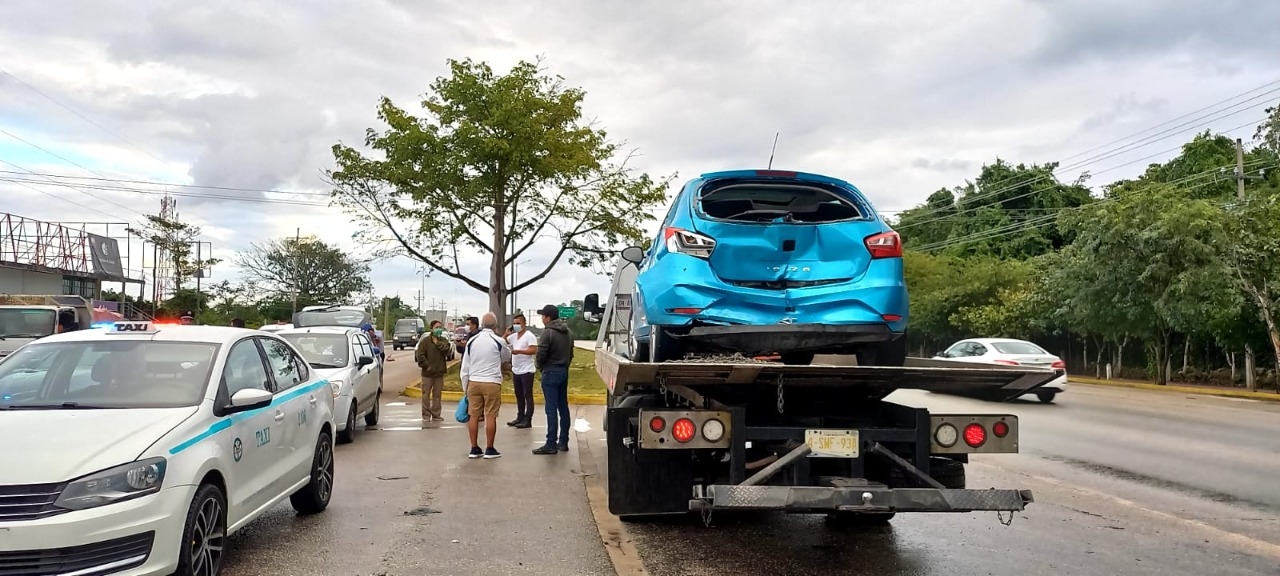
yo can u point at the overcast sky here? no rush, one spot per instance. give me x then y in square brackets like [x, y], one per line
[900, 98]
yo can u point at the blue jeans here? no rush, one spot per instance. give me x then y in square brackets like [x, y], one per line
[555, 397]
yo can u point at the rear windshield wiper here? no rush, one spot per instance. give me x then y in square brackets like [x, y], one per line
[62, 406]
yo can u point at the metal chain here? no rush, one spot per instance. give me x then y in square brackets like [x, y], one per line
[780, 394]
[706, 516]
[1000, 517]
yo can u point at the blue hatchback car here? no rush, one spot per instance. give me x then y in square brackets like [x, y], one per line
[768, 262]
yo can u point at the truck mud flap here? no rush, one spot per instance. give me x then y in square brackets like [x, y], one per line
[858, 499]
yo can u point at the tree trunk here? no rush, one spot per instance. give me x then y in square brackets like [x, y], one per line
[498, 264]
[1186, 353]
[1250, 375]
[1231, 361]
[1120, 356]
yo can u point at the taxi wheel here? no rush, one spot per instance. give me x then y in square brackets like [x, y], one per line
[314, 497]
[204, 536]
[371, 419]
[349, 435]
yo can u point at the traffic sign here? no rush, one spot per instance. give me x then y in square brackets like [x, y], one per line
[568, 312]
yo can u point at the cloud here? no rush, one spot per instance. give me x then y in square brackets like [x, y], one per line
[900, 98]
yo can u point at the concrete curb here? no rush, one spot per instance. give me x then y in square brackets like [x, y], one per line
[1201, 390]
[451, 396]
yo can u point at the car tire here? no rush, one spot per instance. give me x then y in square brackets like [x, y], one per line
[206, 525]
[1046, 396]
[348, 435]
[891, 353]
[799, 359]
[371, 419]
[663, 347]
[314, 497]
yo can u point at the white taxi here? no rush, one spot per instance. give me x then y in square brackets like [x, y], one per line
[137, 448]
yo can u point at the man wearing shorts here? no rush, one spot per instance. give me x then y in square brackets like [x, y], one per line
[481, 375]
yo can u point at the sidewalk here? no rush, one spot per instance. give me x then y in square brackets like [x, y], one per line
[1219, 391]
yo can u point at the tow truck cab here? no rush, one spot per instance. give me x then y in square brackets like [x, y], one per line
[25, 318]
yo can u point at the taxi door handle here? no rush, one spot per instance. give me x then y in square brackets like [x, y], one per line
[312, 400]
[279, 415]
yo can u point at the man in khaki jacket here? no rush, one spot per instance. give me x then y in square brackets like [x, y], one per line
[431, 354]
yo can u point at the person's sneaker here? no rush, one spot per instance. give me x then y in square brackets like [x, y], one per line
[524, 424]
[515, 422]
[490, 453]
[546, 450]
[564, 447]
[475, 452]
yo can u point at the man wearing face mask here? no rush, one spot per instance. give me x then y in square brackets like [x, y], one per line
[524, 345]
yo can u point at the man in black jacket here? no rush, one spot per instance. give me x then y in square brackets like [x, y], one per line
[555, 352]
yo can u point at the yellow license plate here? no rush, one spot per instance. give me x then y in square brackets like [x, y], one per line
[832, 443]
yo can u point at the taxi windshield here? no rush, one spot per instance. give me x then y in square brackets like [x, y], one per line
[120, 374]
[321, 350]
[26, 322]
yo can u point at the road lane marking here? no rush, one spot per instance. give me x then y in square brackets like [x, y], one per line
[617, 542]
[1240, 541]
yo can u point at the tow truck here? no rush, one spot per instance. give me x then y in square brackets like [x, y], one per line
[728, 432]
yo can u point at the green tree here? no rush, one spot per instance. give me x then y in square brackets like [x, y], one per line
[1252, 250]
[177, 240]
[498, 162]
[316, 272]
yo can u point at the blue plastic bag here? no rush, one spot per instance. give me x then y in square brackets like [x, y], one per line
[461, 415]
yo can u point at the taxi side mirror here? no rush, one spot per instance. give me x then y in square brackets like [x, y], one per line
[363, 361]
[249, 399]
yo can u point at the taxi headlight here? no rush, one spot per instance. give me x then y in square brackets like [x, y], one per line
[337, 387]
[132, 480]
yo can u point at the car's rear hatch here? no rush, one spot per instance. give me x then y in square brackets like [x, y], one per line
[1023, 354]
[784, 232]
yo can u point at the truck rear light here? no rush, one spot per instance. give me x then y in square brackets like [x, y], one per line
[946, 435]
[688, 311]
[713, 430]
[657, 424]
[974, 435]
[1006, 362]
[884, 245]
[1060, 365]
[683, 430]
[679, 240]
[981, 434]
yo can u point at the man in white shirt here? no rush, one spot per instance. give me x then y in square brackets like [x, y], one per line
[481, 375]
[524, 345]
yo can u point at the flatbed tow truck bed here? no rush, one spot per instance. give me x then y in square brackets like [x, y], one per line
[809, 439]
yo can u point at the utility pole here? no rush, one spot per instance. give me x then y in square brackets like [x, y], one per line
[419, 301]
[297, 241]
[1250, 381]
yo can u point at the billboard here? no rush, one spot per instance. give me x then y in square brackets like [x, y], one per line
[106, 257]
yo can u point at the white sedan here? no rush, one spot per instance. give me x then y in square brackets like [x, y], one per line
[1010, 352]
[344, 356]
[137, 449]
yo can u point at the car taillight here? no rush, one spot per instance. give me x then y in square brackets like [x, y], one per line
[1005, 362]
[1060, 365]
[683, 241]
[885, 245]
[683, 430]
[975, 435]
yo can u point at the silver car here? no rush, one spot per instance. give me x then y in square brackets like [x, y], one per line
[345, 357]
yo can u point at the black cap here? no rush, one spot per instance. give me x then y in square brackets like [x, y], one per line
[550, 311]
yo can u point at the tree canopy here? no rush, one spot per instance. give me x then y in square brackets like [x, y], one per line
[496, 163]
[305, 267]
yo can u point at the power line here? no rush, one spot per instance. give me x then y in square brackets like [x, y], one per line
[81, 116]
[81, 187]
[26, 183]
[1001, 188]
[1032, 181]
[170, 184]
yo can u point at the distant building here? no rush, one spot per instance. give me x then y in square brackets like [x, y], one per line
[56, 259]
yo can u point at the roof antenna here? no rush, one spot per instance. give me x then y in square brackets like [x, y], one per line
[772, 150]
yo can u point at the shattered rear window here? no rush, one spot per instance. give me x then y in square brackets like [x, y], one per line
[769, 202]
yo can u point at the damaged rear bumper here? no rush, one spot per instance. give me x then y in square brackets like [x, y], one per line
[857, 499]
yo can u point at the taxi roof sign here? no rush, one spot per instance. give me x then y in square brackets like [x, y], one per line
[133, 327]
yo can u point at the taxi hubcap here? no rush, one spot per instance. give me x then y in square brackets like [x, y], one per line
[206, 539]
[324, 478]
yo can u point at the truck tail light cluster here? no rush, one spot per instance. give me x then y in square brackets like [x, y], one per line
[973, 434]
[675, 429]
[679, 240]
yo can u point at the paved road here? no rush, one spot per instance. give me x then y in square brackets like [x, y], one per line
[1111, 498]
[408, 502]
